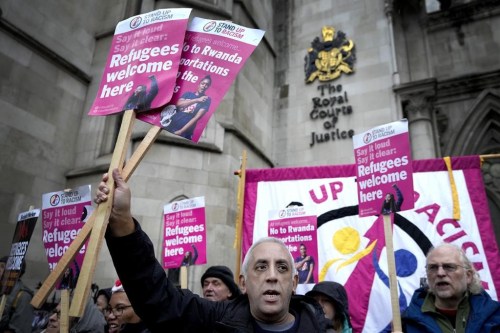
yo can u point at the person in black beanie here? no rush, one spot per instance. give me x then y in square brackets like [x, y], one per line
[218, 284]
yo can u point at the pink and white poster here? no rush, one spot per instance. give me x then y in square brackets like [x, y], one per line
[143, 62]
[213, 54]
[384, 174]
[185, 237]
[296, 227]
[63, 216]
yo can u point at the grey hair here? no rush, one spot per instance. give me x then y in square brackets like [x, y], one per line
[475, 286]
[249, 255]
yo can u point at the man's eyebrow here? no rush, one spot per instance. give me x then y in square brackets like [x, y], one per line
[261, 261]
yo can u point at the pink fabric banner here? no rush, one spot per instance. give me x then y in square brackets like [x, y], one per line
[351, 249]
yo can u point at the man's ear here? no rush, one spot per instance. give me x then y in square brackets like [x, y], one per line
[243, 284]
[295, 282]
[470, 277]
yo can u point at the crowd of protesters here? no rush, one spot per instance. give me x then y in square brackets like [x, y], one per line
[264, 300]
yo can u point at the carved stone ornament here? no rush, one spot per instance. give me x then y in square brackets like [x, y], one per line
[328, 59]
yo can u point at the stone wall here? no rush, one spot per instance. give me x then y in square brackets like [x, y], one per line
[50, 143]
[440, 70]
[368, 88]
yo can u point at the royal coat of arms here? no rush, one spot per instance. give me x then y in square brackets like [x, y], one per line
[327, 60]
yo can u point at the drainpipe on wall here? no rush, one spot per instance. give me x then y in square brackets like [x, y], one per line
[395, 103]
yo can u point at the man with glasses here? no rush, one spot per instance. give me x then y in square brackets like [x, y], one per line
[91, 321]
[454, 300]
[120, 315]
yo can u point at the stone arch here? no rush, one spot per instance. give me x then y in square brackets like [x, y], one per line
[491, 176]
[480, 130]
[179, 198]
[480, 135]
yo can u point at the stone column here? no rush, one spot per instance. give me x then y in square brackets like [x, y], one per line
[389, 12]
[421, 125]
[417, 99]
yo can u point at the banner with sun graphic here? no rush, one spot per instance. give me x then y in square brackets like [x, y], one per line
[351, 249]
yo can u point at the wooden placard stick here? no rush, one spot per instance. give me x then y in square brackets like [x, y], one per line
[2, 304]
[64, 312]
[82, 288]
[50, 282]
[140, 152]
[391, 267]
[241, 173]
[183, 277]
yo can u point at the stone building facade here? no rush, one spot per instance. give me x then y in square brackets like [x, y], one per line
[432, 62]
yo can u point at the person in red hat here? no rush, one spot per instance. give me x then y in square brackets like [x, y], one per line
[120, 315]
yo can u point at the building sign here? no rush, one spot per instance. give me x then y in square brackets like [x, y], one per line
[327, 60]
[331, 105]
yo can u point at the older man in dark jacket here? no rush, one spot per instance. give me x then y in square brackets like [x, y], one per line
[454, 301]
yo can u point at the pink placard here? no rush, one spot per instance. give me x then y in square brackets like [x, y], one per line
[213, 54]
[143, 62]
[297, 229]
[384, 169]
[63, 216]
[184, 241]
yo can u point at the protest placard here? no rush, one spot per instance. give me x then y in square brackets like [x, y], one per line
[384, 178]
[185, 239]
[383, 169]
[212, 55]
[296, 227]
[143, 62]
[64, 214]
[26, 222]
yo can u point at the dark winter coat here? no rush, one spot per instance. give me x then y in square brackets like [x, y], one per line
[484, 315]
